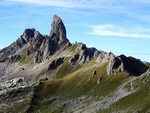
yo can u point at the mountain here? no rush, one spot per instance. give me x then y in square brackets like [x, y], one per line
[46, 73]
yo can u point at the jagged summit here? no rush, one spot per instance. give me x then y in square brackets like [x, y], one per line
[27, 36]
[35, 42]
[58, 30]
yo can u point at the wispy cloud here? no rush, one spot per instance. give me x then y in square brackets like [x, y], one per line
[69, 3]
[58, 3]
[118, 31]
[122, 6]
[106, 4]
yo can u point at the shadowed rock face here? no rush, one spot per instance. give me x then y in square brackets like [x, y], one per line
[133, 66]
[56, 63]
[128, 64]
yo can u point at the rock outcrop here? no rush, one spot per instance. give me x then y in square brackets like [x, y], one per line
[122, 63]
[55, 64]
[133, 66]
[15, 58]
[115, 65]
[84, 54]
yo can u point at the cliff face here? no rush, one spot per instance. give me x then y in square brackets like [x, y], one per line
[53, 68]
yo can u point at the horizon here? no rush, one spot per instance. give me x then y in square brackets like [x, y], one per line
[118, 27]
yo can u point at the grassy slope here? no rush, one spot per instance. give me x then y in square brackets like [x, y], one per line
[138, 101]
[75, 81]
[81, 83]
[36, 78]
[77, 84]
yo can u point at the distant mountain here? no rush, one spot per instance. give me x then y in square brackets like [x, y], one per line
[145, 62]
[46, 73]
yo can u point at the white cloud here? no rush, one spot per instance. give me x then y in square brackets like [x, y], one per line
[119, 6]
[58, 3]
[106, 4]
[70, 3]
[118, 31]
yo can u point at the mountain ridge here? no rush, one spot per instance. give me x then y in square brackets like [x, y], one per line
[48, 68]
[48, 45]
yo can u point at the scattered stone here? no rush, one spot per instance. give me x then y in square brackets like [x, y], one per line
[99, 79]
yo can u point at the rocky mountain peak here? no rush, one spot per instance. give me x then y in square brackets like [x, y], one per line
[28, 36]
[57, 18]
[58, 31]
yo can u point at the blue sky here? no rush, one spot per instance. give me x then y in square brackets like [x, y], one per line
[118, 26]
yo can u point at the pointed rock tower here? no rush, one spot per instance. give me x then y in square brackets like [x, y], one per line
[58, 31]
